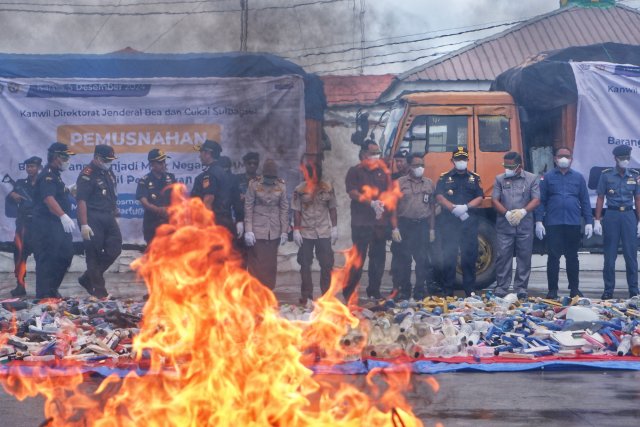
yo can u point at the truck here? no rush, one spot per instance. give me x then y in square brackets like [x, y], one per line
[541, 118]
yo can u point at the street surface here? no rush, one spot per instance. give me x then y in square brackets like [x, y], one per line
[551, 398]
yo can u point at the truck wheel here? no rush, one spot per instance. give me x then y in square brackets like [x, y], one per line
[487, 252]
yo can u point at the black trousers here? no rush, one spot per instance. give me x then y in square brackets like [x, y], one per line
[53, 253]
[102, 249]
[462, 235]
[414, 246]
[149, 228]
[563, 240]
[373, 239]
[263, 261]
[23, 247]
[324, 254]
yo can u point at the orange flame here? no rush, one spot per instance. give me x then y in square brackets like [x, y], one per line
[220, 355]
[21, 264]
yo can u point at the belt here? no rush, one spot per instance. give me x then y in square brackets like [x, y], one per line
[620, 208]
[102, 212]
[413, 221]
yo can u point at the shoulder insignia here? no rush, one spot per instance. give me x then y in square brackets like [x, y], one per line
[87, 170]
[326, 186]
[444, 173]
[48, 178]
[281, 181]
[205, 182]
[301, 186]
[89, 179]
[608, 169]
[635, 170]
[475, 174]
[253, 180]
[145, 177]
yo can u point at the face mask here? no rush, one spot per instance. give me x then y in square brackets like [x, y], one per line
[418, 172]
[461, 165]
[269, 181]
[105, 165]
[64, 165]
[376, 157]
[623, 163]
[509, 173]
[564, 163]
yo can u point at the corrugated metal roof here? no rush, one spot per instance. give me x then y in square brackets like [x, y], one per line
[354, 90]
[562, 28]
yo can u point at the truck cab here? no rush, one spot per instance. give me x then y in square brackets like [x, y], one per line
[436, 123]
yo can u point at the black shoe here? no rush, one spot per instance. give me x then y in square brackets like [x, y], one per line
[56, 294]
[631, 294]
[552, 295]
[606, 296]
[376, 295]
[86, 283]
[303, 301]
[523, 297]
[575, 293]
[499, 295]
[145, 297]
[19, 291]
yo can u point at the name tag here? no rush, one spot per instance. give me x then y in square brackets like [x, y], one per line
[631, 181]
[426, 198]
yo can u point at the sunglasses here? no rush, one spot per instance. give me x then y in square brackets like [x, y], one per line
[417, 165]
[511, 166]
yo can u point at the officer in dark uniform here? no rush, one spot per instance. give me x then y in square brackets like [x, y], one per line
[621, 186]
[459, 192]
[251, 161]
[154, 195]
[213, 185]
[402, 164]
[23, 241]
[97, 196]
[52, 225]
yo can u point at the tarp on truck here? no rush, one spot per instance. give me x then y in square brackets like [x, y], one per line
[546, 81]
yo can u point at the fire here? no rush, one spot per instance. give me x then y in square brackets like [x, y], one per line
[218, 352]
[21, 266]
[389, 197]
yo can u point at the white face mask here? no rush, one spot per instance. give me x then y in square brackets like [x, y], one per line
[564, 163]
[461, 165]
[64, 165]
[376, 157]
[105, 165]
[418, 172]
[509, 172]
[623, 163]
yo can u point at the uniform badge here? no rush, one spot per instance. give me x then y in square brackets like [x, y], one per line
[508, 183]
[295, 196]
[86, 177]
[450, 192]
[611, 191]
[153, 196]
[104, 192]
[48, 178]
[471, 179]
[450, 179]
[205, 183]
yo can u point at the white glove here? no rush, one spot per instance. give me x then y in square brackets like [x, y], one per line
[395, 236]
[249, 238]
[597, 228]
[378, 207]
[334, 235]
[507, 215]
[67, 223]
[464, 216]
[588, 230]
[239, 229]
[72, 190]
[297, 238]
[516, 217]
[638, 235]
[458, 210]
[118, 221]
[432, 236]
[540, 231]
[86, 231]
[283, 239]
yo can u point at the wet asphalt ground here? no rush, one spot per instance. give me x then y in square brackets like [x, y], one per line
[538, 398]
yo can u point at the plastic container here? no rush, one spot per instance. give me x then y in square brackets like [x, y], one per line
[635, 345]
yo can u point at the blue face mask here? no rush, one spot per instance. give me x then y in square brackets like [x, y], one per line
[269, 181]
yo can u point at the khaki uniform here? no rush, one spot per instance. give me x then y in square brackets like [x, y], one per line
[315, 229]
[266, 214]
[414, 214]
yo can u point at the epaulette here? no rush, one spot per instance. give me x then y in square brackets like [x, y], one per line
[608, 169]
[473, 173]
[146, 176]
[327, 186]
[444, 173]
[635, 170]
[281, 181]
[252, 180]
[87, 170]
[300, 187]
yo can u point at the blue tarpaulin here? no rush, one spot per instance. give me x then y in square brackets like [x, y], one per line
[147, 65]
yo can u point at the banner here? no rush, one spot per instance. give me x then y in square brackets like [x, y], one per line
[134, 116]
[608, 115]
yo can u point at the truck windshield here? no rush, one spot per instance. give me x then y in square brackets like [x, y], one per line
[494, 133]
[391, 128]
[436, 134]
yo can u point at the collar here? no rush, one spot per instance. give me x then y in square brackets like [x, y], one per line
[626, 171]
[50, 168]
[454, 172]
[206, 168]
[556, 170]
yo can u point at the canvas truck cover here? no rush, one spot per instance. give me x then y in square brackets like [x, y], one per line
[137, 102]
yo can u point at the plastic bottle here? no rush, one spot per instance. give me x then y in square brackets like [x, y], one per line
[415, 350]
[391, 351]
[61, 349]
[446, 351]
[503, 323]
[625, 345]
[421, 329]
[635, 345]
[448, 329]
[376, 337]
[434, 321]
[406, 323]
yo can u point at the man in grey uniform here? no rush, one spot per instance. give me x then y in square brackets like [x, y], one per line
[515, 196]
[622, 188]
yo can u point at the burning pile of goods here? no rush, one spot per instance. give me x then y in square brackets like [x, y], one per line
[489, 326]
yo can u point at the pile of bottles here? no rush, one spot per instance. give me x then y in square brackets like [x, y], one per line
[87, 330]
[489, 326]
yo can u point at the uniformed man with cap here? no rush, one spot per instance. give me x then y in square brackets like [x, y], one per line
[413, 222]
[97, 196]
[251, 161]
[213, 185]
[154, 194]
[52, 225]
[237, 203]
[24, 244]
[515, 196]
[402, 164]
[459, 192]
[314, 205]
[266, 220]
[621, 186]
